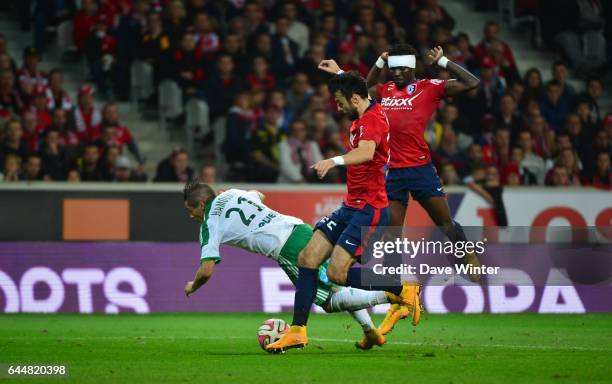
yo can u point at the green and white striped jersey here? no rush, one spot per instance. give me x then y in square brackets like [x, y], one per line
[240, 218]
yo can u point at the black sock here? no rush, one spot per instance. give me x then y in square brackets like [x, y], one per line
[305, 293]
[354, 279]
[456, 234]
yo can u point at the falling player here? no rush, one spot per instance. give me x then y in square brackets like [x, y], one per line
[339, 236]
[409, 104]
[240, 218]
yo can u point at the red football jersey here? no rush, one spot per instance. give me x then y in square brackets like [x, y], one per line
[366, 182]
[409, 111]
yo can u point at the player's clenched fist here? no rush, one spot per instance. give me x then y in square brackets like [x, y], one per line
[329, 66]
[189, 288]
[323, 166]
[434, 55]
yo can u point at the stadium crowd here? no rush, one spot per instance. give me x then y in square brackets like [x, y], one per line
[255, 65]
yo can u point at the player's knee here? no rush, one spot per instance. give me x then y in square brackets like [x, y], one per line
[335, 275]
[307, 260]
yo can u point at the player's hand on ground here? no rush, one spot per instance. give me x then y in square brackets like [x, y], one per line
[189, 288]
[329, 66]
[434, 55]
[323, 166]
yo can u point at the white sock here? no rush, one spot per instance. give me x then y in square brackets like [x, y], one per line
[363, 318]
[352, 299]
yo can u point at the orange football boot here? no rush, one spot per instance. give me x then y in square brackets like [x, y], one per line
[370, 339]
[409, 297]
[295, 337]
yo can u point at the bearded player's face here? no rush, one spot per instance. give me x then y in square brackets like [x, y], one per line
[346, 106]
[402, 76]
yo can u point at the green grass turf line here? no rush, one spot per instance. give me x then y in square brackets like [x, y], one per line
[222, 348]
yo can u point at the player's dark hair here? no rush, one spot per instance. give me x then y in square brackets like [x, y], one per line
[196, 191]
[402, 49]
[349, 84]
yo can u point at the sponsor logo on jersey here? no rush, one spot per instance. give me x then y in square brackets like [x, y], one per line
[410, 89]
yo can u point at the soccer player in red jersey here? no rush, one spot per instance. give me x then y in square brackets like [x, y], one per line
[409, 104]
[339, 236]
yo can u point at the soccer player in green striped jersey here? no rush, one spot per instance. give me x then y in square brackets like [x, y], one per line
[240, 218]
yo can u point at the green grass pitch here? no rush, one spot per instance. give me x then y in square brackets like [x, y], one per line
[220, 348]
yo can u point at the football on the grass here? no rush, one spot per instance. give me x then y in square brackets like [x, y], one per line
[270, 331]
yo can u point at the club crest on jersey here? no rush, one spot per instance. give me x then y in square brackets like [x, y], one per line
[410, 89]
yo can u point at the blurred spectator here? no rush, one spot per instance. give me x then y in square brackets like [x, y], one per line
[467, 56]
[485, 181]
[234, 45]
[558, 177]
[31, 135]
[497, 152]
[583, 110]
[278, 100]
[264, 163]
[10, 170]
[87, 117]
[602, 176]
[284, 50]
[54, 157]
[299, 94]
[154, 46]
[175, 168]
[73, 176]
[508, 116]
[174, 23]
[208, 174]
[568, 159]
[298, 31]
[240, 125]
[348, 60]
[518, 165]
[438, 15]
[491, 87]
[30, 76]
[32, 170]
[123, 171]
[449, 175]
[543, 136]
[309, 63]
[89, 165]
[260, 78]
[297, 155]
[10, 102]
[592, 94]
[448, 150]
[492, 34]
[100, 52]
[39, 105]
[187, 69]
[222, 87]
[67, 135]
[553, 107]
[532, 82]
[581, 142]
[122, 134]
[84, 22]
[531, 161]
[503, 67]
[57, 97]
[207, 40]
[14, 144]
[560, 74]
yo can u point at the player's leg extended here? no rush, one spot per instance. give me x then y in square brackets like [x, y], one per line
[309, 260]
[439, 211]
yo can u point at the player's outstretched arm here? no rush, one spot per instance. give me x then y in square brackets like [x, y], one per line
[465, 80]
[374, 74]
[203, 274]
[363, 153]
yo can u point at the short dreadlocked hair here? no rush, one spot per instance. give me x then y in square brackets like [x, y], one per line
[196, 191]
[349, 84]
[402, 49]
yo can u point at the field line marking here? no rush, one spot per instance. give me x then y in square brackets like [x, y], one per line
[332, 340]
